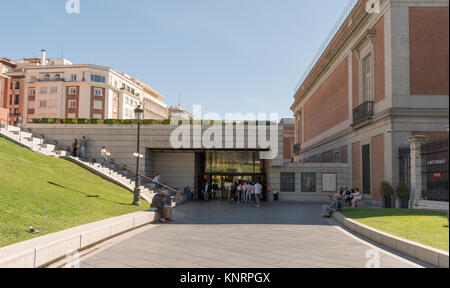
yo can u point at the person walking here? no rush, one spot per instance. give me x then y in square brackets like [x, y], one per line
[75, 148]
[83, 144]
[258, 191]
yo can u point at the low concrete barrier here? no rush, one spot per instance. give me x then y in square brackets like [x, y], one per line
[424, 253]
[42, 251]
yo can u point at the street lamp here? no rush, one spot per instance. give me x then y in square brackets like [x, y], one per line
[137, 191]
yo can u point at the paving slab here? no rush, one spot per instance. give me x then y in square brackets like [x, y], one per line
[230, 235]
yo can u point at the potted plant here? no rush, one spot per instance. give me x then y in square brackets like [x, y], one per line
[402, 193]
[387, 192]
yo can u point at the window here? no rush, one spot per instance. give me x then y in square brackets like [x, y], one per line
[97, 116]
[71, 115]
[287, 182]
[53, 90]
[72, 91]
[43, 90]
[116, 96]
[16, 100]
[98, 92]
[31, 92]
[10, 100]
[98, 78]
[308, 182]
[57, 77]
[73, 77]
[46, 77]
[319, 158]
[17, 85]
[98, 105]
[337, 157]
[115, 109]
[42, 104]
[72, 104]
[368, 78]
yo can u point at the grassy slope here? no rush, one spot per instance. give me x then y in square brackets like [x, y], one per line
[52, 195]
[426, 227]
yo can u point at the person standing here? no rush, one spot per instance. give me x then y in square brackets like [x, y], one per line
[206, 191]
[258, 191]
[238, 191]
[104, 154]
[83, 144]
[75, 148]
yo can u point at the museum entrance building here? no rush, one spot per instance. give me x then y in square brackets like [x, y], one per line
[222, 169]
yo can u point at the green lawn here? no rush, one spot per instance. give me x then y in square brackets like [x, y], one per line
[426, 227]
[52, 195]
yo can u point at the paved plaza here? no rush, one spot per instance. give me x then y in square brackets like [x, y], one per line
[230, 235]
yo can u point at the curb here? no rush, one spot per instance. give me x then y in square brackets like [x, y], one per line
[424, 253]
[42, 251]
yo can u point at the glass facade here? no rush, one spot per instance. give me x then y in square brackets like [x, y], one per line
[233, 162]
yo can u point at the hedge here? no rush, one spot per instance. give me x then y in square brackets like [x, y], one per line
[144, 122]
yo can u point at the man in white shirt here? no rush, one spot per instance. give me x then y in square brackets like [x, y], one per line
[258, 191]
[157, 181]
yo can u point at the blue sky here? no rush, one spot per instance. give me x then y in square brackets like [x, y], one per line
[227, 55]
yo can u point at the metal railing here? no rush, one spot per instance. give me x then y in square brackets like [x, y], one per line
[297, 148]
[363, 111]
[133, 175]
[347, 10]
[435, 171]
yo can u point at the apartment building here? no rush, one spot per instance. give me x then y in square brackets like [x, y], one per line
[179, 113]
[383, 77]
[57, 88]
[11, 90]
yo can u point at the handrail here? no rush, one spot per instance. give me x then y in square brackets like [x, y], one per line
[347, 10]
[143, 176]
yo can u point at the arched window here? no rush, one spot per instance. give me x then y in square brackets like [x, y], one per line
[57, 77]
[47, 77]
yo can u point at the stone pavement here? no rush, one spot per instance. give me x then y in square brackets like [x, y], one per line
[230, 235]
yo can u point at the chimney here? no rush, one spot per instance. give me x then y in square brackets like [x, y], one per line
[43, 57]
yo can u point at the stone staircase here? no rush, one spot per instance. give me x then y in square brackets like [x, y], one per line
[34, 143]
[114, 173]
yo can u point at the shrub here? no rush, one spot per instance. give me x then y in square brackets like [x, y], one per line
[57, 121]
[83, 121]
[45, 121]
[70, 121]
[113, 121]
[36, 121]
[402, 191]
[97, 121]
[386, 189]
[148, 122]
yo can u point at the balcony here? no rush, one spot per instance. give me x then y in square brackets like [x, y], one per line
[55, 79]
[297, 149]
[362, 115]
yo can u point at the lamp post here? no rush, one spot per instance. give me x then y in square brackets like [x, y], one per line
[137, 191]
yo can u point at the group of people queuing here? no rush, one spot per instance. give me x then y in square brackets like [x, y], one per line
[79, 147]
[345, 198]
[246, 191]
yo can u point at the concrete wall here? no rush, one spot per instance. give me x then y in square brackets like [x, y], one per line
[274, 180]
[177, 168]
